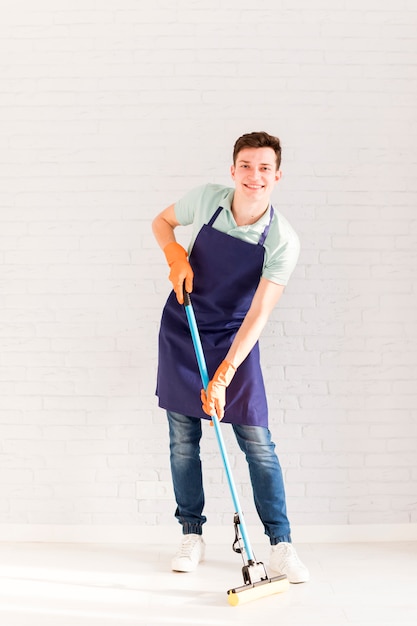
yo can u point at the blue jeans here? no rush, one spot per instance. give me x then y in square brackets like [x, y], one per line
[264, 469]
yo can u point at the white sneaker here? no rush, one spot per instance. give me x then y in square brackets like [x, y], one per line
[190, 553]
[284, 560]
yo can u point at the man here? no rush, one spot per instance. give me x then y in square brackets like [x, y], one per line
[240, 257]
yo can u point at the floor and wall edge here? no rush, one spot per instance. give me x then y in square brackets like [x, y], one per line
[213, 534]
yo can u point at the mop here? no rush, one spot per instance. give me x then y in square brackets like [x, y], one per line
[257, 584]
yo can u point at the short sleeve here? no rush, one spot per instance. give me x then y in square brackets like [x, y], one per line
[187, 206]
[282, 254]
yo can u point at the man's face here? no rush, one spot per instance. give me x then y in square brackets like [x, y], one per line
[255, 173]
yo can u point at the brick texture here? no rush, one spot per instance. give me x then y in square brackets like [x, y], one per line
[109, 111]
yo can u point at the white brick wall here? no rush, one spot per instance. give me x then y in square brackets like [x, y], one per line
[109, 111]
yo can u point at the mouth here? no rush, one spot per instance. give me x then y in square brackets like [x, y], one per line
[254, 187]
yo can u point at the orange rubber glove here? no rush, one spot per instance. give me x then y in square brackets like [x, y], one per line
[181, 270]
[214, 399]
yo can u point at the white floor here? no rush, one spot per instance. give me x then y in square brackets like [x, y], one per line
[101, 585]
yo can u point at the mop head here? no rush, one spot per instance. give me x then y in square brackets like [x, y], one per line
[255, 591]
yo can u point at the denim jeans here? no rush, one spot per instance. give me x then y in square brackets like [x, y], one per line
[264, 469]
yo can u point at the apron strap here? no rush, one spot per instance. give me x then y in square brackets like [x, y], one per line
[266, 229]
[215, 216]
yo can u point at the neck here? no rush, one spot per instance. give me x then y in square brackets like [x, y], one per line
[247, 213]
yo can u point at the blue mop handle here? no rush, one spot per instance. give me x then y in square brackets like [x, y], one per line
[205, 380]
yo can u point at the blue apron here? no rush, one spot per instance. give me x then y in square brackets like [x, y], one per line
[226, 275]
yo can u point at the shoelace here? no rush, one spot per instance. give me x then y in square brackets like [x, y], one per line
[187, 546]
[289, 556]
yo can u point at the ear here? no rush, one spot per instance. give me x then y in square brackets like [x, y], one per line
[278, 175]
[232, 171]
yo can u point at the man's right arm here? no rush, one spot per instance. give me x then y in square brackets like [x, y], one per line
[163, 227]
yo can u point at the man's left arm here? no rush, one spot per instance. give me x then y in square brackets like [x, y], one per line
[264, 300]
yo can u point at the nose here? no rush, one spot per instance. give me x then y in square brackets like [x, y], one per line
[254, 174]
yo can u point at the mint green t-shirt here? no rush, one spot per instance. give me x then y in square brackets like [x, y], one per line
[282, 246]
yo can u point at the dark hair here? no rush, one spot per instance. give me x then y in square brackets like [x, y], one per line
[258, 140]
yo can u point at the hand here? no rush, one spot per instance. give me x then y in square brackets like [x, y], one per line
[214, 399]
[181, 270]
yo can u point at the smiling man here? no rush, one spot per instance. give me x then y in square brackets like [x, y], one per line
[255, 172]
[240, 257]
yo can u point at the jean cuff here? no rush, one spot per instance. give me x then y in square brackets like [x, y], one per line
[282, 538]
[191, 529]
